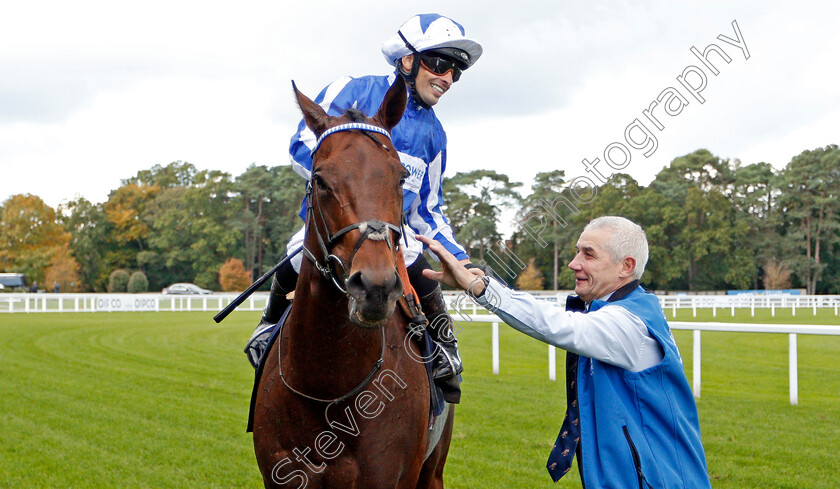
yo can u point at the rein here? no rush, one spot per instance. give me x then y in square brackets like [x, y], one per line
[352, 393]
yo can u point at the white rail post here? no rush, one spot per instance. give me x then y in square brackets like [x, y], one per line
[794, 376]
[552, 363]
[496, 348]
[696, 363]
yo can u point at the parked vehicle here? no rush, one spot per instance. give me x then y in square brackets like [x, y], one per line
[13, 281]
[185, 289]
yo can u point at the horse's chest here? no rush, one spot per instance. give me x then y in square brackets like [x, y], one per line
[338, 443]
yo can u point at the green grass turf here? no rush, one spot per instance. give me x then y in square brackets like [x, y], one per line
[158, 400]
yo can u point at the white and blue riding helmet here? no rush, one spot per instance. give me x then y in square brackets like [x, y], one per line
[430, 32]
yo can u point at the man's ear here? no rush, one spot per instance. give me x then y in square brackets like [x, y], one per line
[628, 266]
[406, 62]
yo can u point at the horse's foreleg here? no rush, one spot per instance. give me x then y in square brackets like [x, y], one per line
[431, 476]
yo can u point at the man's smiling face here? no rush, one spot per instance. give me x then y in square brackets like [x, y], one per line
[596, 274]
[430, 86]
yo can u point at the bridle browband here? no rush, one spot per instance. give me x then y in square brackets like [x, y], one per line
[350, 126]
[372, 229]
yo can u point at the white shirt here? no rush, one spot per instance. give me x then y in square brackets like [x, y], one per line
[612, 334]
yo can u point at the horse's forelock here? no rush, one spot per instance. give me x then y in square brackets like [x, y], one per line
[356, 115]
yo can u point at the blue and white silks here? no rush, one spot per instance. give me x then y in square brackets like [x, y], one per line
[420, 142]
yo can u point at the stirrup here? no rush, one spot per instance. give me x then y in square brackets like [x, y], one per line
[447, 362]
[255, 348]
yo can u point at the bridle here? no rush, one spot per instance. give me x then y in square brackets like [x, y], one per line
[372, 229]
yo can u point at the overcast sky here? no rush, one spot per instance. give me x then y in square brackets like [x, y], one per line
[93, 92]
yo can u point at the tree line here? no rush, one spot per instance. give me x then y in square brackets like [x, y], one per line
[174, 223]
[712, 224]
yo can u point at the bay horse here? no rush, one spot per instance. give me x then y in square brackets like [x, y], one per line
[343, 401]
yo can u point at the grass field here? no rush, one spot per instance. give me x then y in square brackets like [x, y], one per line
[159, 400]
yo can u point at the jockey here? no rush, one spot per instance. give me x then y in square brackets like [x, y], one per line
[430, 51]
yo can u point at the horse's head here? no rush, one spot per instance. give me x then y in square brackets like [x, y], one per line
[355, 204]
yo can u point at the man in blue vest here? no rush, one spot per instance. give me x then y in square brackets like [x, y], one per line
[430, 52]
[631, 418]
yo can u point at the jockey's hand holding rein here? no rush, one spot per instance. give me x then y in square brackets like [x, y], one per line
[453, 273]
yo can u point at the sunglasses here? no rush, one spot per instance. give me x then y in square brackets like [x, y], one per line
[440, 65]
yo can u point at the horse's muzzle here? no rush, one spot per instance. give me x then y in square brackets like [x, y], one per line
[373, 297]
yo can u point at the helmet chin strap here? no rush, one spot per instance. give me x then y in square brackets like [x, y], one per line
[411, 77]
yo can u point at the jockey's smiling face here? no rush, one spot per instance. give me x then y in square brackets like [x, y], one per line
[430, 86]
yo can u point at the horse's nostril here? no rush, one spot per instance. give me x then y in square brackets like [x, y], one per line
[356, 285]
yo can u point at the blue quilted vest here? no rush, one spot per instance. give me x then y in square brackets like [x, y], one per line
[639, 429]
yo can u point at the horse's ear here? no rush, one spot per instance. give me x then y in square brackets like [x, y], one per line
[314, 116]
[393, 105]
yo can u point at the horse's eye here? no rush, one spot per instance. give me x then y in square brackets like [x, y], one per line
[404, 177]
[318, 181]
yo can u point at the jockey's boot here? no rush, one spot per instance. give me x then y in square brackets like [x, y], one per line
[447, 361]
[281, 285]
